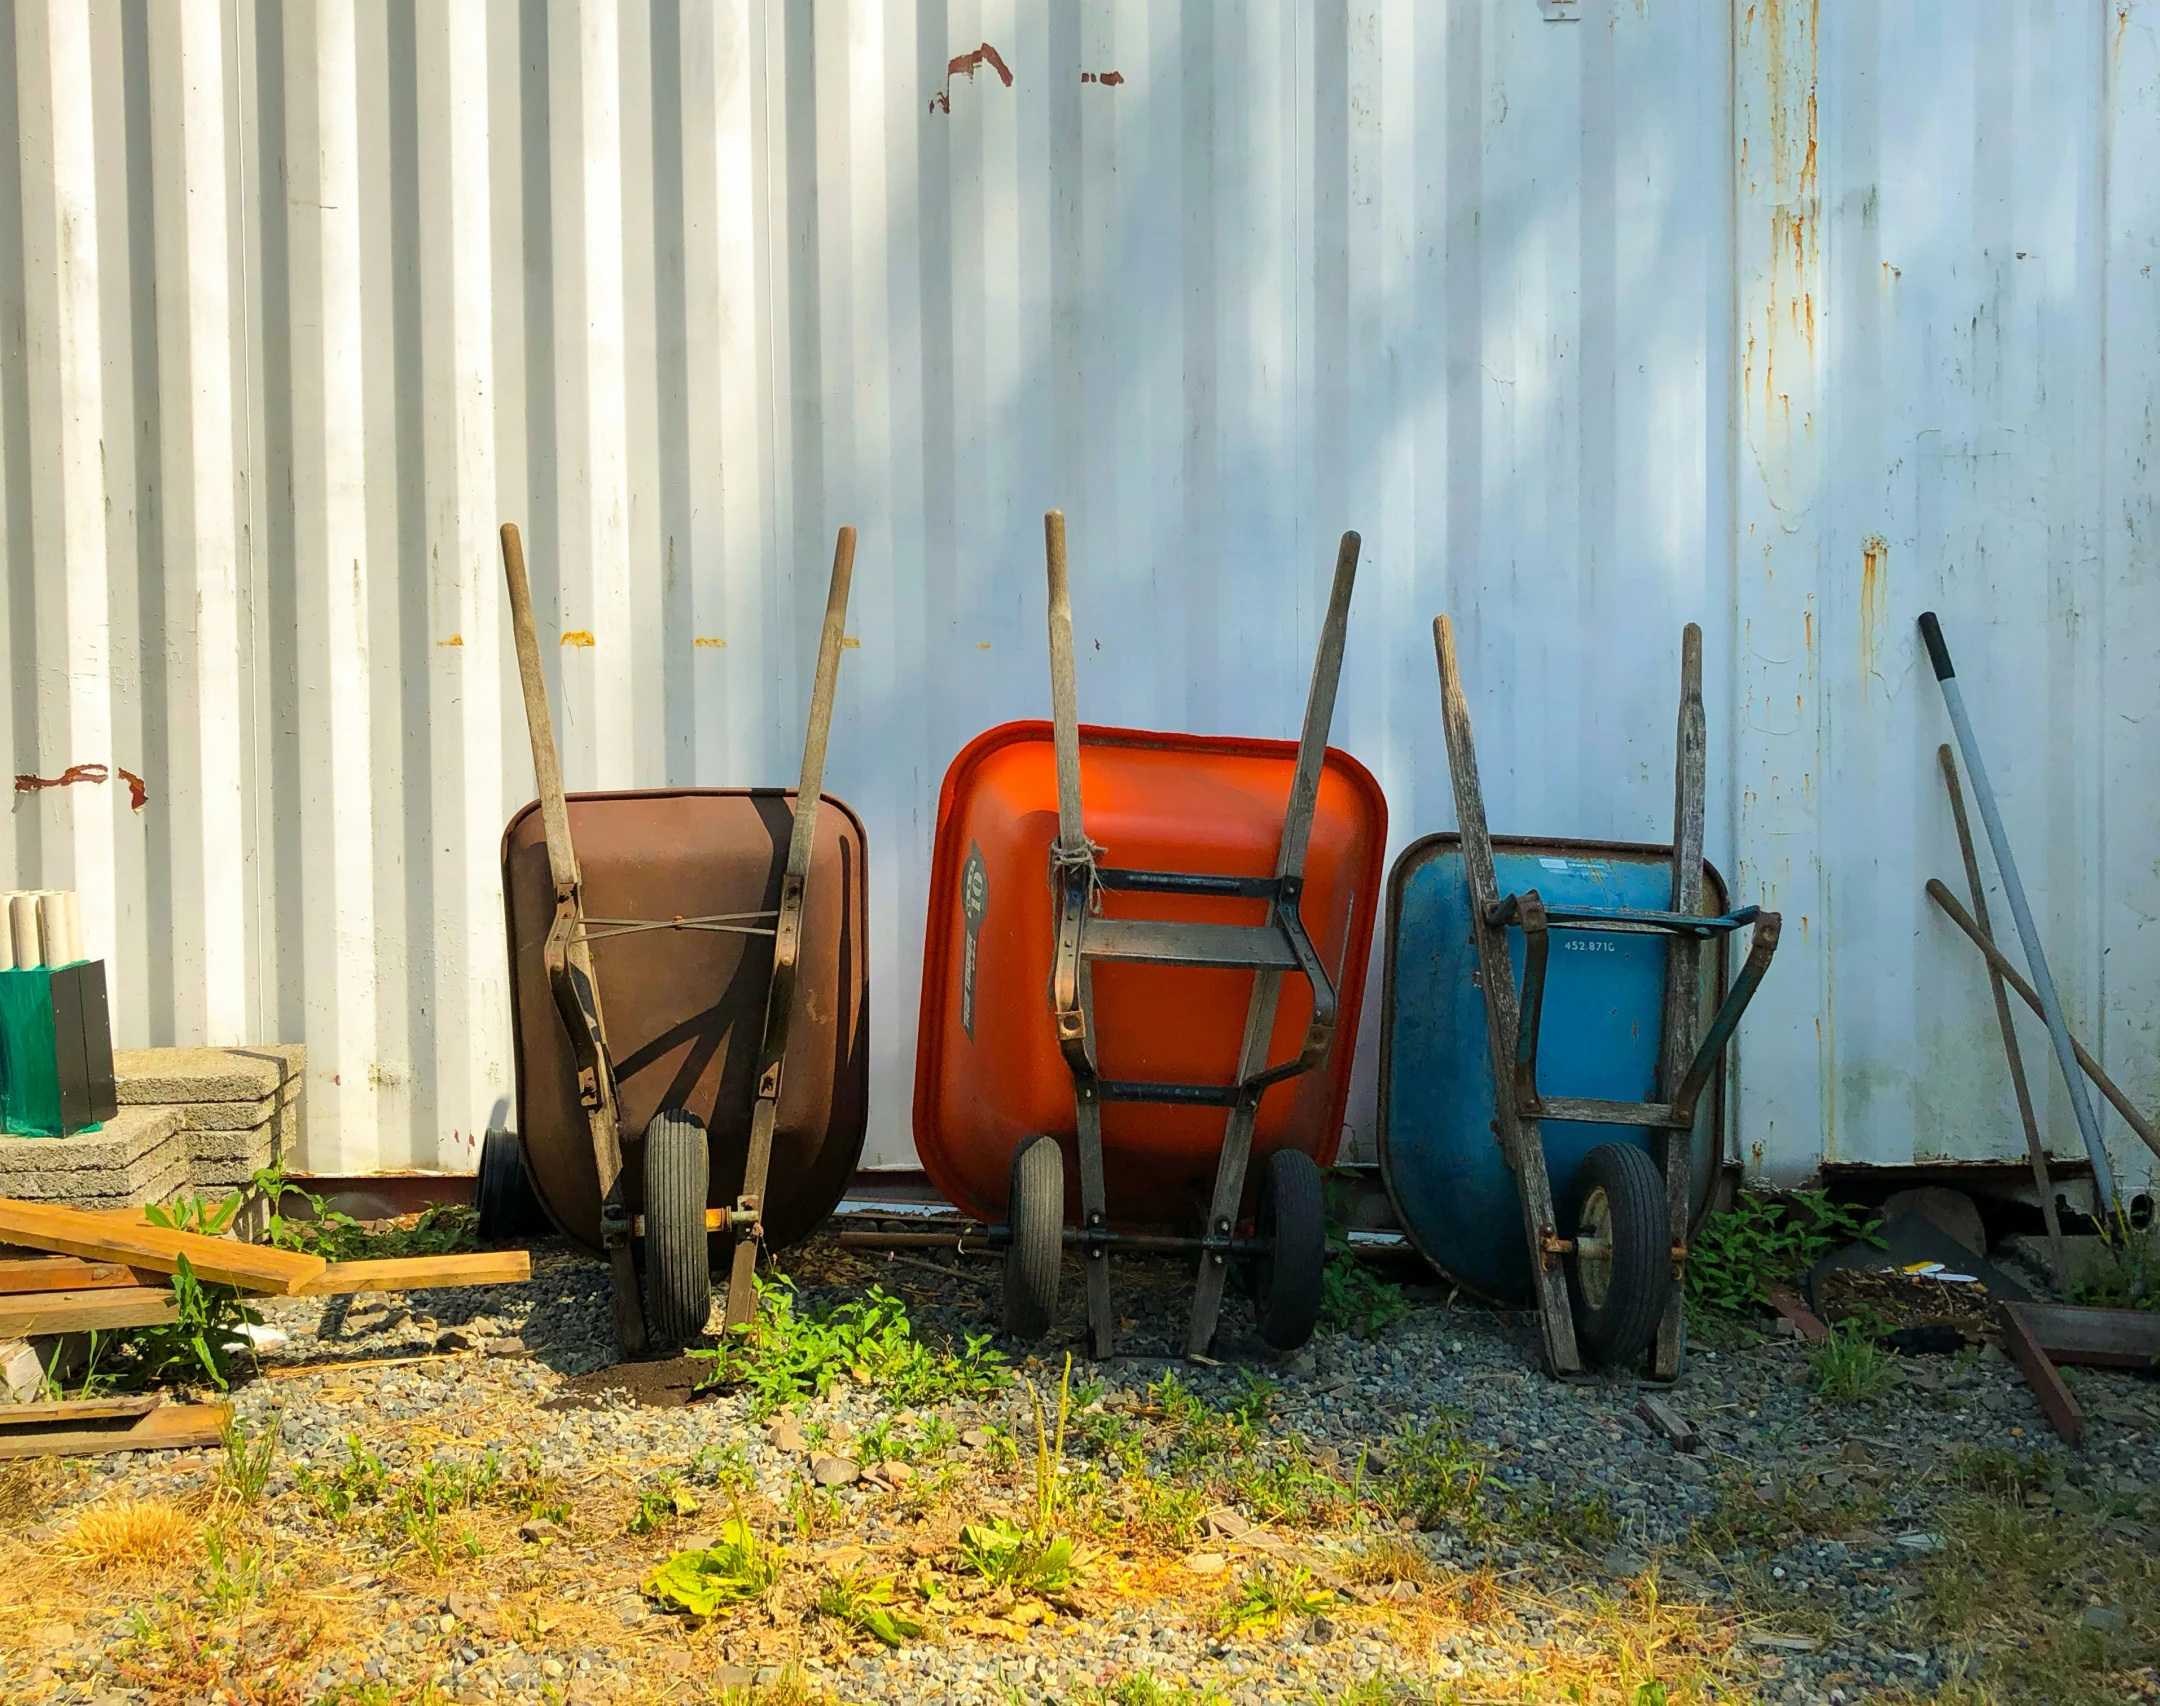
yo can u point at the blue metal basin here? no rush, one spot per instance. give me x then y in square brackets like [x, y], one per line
[1440, 1154]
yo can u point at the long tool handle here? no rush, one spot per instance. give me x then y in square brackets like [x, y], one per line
[1939, 893]
[1231, 1164]
[749, 1215]
[1064, 691]
[825, 686]
[2035, 1150]
[1521, 1138]
[1683, 985]
[539, 720]
[2021, 913]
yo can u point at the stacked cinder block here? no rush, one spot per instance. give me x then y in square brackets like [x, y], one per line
[139, 1156]
[241, 1108]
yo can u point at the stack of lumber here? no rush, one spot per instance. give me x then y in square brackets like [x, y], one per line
[69, 1271]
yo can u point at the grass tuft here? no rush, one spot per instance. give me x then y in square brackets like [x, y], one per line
[129, 1537]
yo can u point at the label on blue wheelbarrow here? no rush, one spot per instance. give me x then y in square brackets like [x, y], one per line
[974, 902]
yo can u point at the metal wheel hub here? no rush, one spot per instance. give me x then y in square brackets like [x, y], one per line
[1593, 1247]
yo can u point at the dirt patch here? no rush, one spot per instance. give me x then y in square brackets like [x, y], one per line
[659, 1385]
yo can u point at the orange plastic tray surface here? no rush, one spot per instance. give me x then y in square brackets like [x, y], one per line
[987, 1068]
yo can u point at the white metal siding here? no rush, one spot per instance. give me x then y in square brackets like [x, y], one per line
[1790, 320]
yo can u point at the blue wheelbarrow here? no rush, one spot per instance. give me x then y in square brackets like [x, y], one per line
[1602, 1151]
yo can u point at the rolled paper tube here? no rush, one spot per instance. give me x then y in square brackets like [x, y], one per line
[7, 933]
[23, 926]
[74, 927]
[52, 926]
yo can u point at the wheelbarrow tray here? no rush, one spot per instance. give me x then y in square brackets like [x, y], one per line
[988, 1072]
[1440, 1157]
[686, 1007]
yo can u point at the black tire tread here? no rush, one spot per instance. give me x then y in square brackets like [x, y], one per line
[678, 1258]
[1617, 1333]
[1035, 1211]
[503, 1194]
[1293, 1209]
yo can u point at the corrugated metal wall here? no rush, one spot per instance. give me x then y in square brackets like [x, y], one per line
[1593, 318]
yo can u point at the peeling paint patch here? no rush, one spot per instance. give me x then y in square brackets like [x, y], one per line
[138, 790]
[712, 640]
[966, 65]
[1108, 79]
[453, 640]
[850, 643]
[577, 637]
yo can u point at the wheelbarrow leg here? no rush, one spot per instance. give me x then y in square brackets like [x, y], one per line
[747, 1218]
[569, 961]
[1230, 1168]
[1520, 1137]
[1072, 863]
[1683, 991]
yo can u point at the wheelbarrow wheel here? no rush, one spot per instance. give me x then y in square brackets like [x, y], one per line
[1620, 1272]
[1293, 1226]
[503, 1193]
[1035, 1213]
[678, 1261]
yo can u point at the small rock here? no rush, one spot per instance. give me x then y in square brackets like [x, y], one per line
[512, 1346]
[552, 1668]
[2104, 1618]
[1228, 1522]
[734, 1676]
[894, 1473]
[1920, 1540]
[830, 1471]
[1206, 1563]
[1621, 1562]
[454, 1340]
[767, 1676]
[976, 1438]
[1795, 1376]
[537, 1530]
[788, 1437]
[1320, 1631]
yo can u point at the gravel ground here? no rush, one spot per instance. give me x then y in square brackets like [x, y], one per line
[1796, 1544]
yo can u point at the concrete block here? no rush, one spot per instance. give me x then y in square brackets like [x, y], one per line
[138, 1156]
[180, 1075]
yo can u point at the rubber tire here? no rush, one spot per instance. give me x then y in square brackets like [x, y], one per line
[678, 1257]
[1287, 1279]
[503, 1193]
[1617, 1332]
[1035, 1259]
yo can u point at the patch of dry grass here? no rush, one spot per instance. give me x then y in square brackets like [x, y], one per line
[129, 1537]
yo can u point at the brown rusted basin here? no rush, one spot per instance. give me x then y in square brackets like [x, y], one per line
[685, 1009]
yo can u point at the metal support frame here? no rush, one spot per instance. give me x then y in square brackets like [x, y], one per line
[1268, 950]
[1514, 1014]
[571, 978]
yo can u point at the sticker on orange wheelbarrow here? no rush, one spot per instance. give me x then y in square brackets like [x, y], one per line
[974, 902]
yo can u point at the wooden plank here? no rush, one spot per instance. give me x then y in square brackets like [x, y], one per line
[169, 1427]
[84, 1311]
[1682, 1433]
[421, 1273]
[102, 1238]
[62, 1273]
[77, 1410]
[1683, 986]
[2094, 1338]
[2056, 1403]
[1521, 1139]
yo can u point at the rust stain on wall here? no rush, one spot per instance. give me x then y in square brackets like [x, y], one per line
[966, 65]
[577, 637]
[1108, 79]
[1874, 599]
[712, 640]
[97, 774]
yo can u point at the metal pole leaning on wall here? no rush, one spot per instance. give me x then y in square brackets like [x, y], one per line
[2028, 932]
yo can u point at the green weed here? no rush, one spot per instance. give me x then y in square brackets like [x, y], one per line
[1008, 1556]
[1143, 1688]
[1585, 1521]
[1267, 1596]
[1849, 1367]
[867, 1604]
[206, 1318]
[1762, 1240]
[738, 1568]
[1433, 1475]
[229, 1579]
[786, 1355]
[247, 1462]
[441, 1228]
[660, 1502]
[1354, 1299]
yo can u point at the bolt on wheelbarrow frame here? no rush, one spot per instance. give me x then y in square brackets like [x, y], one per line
[1269, 950]
[568, 961]
[1513, 1015]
